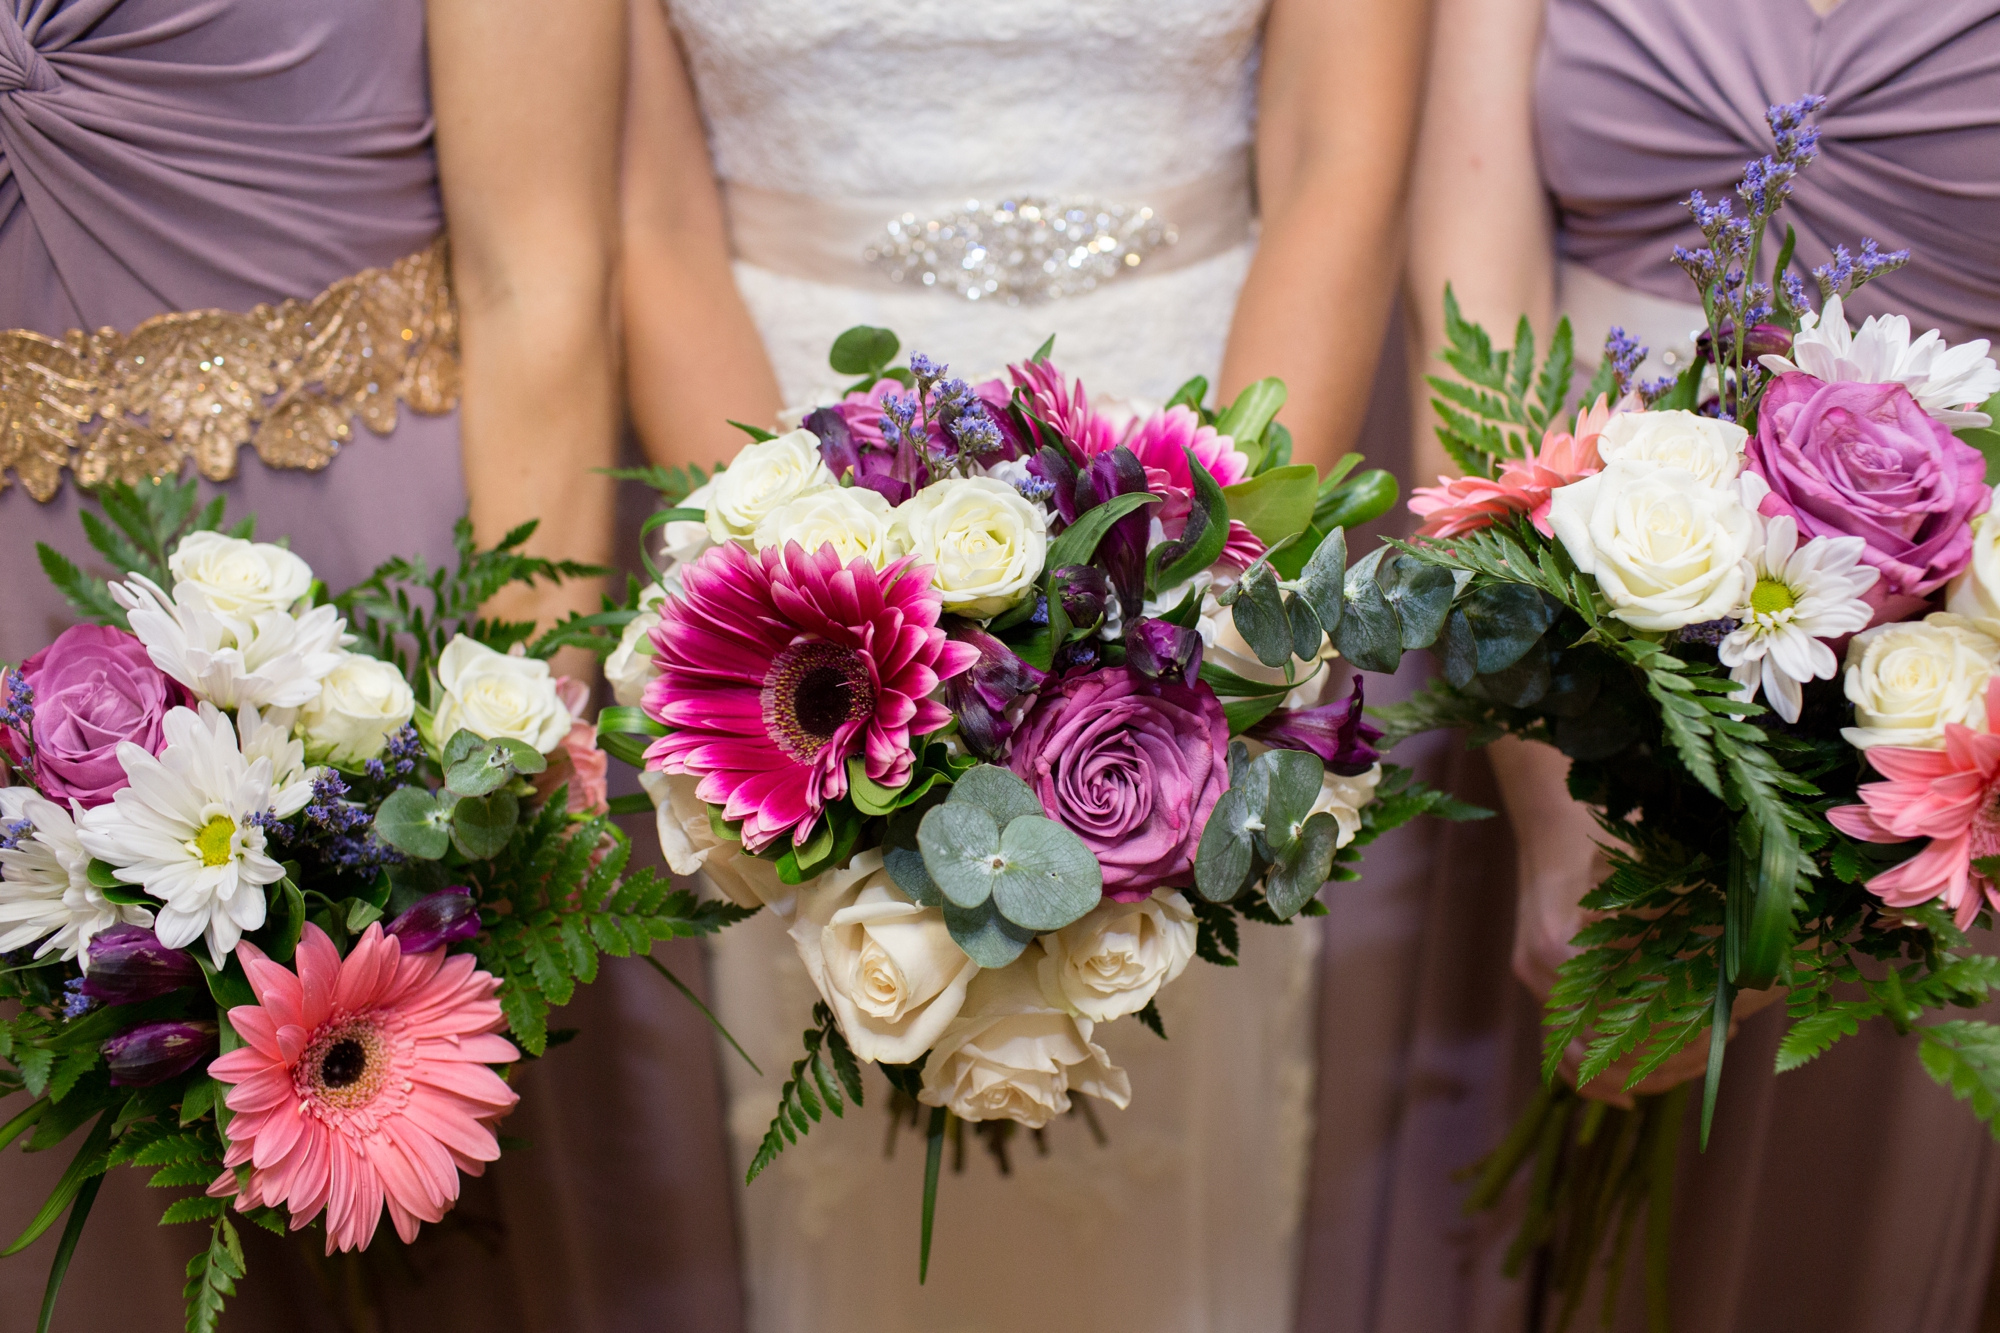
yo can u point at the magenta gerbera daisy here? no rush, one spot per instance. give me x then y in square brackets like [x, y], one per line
[776, 669]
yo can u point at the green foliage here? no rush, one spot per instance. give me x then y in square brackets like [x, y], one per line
[1964, 1056]
[1499, 407]
[212, 1276]
[146, 521]
[674, 484]
[405, 612]
[819, 1076]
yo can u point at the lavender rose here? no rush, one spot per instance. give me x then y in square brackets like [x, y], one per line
[1133, 767]
[94, 687]
[1863, 460]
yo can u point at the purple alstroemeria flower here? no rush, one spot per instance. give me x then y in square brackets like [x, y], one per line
[155, 1052]
[129, 964]
[1122, 553]
[1338, 733]
[1084, 590]
[1162, 650]
[435, 920]
[989, 699]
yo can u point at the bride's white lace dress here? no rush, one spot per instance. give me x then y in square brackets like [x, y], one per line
[827, 119]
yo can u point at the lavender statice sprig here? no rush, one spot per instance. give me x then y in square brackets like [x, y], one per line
[399, 756]
[1623, 353]
[14, 832]
[17, 712]
[1845, 273]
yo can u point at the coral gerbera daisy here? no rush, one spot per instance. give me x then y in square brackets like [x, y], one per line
[362, 1083]
[1952, 797]
[777, 668]
[1466, 504]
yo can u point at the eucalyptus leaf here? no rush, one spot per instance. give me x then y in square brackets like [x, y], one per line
[987, 938]
[1294, 778]
[481, 825]
[906, 866]
[1320, 582]
[1421, 594]
[1051, 877]
[1370, 634]
[416, 823]
[487, 765]
[1303, 869]
[1226, 855]
[462, 746]
[1306, 631]
[961, 847]
[997, 791]
[1505, 620]
[1260, 618]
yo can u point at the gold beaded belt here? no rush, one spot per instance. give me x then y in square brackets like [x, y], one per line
[288, 379]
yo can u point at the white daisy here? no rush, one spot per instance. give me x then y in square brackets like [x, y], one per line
[1946, 381]
[44, 887]
[1799, 596]
[187, 830]
[266, 659]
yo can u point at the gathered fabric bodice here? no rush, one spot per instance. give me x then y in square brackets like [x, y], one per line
[165, 155]
[1638, 102]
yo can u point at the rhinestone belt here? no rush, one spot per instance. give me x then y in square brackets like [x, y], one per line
[1018, 249]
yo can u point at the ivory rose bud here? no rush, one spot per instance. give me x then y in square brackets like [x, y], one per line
[1667, 550]
[1708, 447]
[984, 542]
[1011, 1055]
[1906, 680]
[1976, 592]
[493, 694]
[361, 704]
[1113, 960]
[629, 667]
[853, 519]
[688, 841]
[765, 476]
[886, 966]
[240, 578]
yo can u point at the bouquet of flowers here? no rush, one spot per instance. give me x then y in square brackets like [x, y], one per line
[288, 884]
[1008, 703]
[1758, 607]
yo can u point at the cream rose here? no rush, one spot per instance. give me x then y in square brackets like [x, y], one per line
[1709, 448]
[765, 476]
[1908, 679]
[495, 694]
[854, 519]
[362, 702]
[984, 542]
[1113, 960]
[1011, 1055]
[629, 667]
[1666, 549]
[1976, 592]
[1343, 798]
[688, 841]
[1223, 644]
[238, 578]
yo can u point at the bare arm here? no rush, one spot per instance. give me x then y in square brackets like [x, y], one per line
[696, 360]
[528, 120]
[1479, 218]
[1338, 106]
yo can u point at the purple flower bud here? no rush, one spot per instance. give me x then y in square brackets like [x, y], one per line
[991, 697]
[1084, 589]
[155, 1052]
[1337, 733]
[1760, 340]
[129, 964]
[1161, 649]
[437, 919]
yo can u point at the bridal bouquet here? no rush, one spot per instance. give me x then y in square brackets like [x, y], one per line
[1759, 609]
[1007, 703]
[288, 884]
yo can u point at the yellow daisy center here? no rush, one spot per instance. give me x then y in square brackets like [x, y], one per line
[1770, 597]
[214, 839]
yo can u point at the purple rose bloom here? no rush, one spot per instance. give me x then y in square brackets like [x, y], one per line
[94, 687]
[1863, 460]
[1133, 767]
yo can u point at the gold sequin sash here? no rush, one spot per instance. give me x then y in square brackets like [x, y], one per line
[288, 379]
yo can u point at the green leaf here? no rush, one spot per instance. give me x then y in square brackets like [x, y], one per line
[482, 825]
[1245, 419]
[65, 1249]
[1226, 856]
[819, 1077]
[1259, 614]
[284, 921]
[869, 797]
[757, 434]
[90, 596]
[1964, 1056]
[1043, 352]
[1421, 593]
[1206, 533]
[863, 350]
[1078, 542]
[1320, 582]
[1051, 877]
[998, 791]
[986, 937]
[212, 1276]
[1190, 394]
[103, 877]
[1303, 868]
[1275, 504]
[1149, 1018]
[1243, 714]
[1362, 500]
[1504, 621]
[1370, 634]
[88, 1162]
[416, 823]
[475, 766]
[961, 845]
[1813, 1035]
[1986, 439]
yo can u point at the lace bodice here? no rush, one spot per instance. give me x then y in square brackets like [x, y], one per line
[842, 98]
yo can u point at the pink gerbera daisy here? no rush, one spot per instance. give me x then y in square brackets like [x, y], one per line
[1466, 504]
[1159, 440]
[1952, 797]
[362, 1082]
[777, 668]
[1063, 404]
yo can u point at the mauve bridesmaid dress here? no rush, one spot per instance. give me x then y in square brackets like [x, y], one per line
[1853, 1195]
[176, 155]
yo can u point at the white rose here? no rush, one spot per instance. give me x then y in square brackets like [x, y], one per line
[764, 477]
[1343, 798]
[1976, 592]
[1710, 448]
[629, 667]
[362, 702]
[1908, 679]
[493, 694]
[1113, 960]
[1666, 549]
[240, 578]
[1224, 645]
[1011, 1055]
[886, 966]
[984, 542]
[688, 841]
[854, 519]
